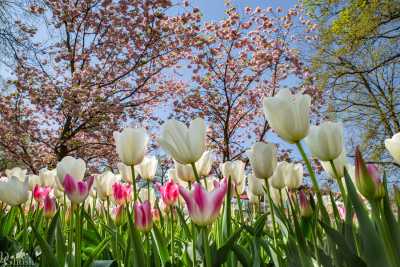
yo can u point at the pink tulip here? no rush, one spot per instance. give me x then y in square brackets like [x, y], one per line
[121, 193]
[305, 207]
[76, 190]
[49, 208]
[169, 192]
[117, 213]
[143, 216]
[40, 193]
[203, 206]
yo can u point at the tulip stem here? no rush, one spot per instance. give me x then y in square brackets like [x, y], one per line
[239, 205]
[271, 208]
[148, 190]
[172, 235]
[339, 180]
[70, 234]
[194, 245]
[206, 246]
[196, 174]
[311, 173]
[78, 235]
[134, 183]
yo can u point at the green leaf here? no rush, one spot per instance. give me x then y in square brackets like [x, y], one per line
[345, 251]
[46, 250]
[8, 221]
[372, 245]
[222, 253]
[242, 255]
[160, 244]
[183, 222]
[139, 260]
[97, 251]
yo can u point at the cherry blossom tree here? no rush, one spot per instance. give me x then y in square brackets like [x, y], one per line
[236, 62]
[97, 65]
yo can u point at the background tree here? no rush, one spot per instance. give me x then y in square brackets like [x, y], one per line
[237, 62]
[358, 66]
[98, 65]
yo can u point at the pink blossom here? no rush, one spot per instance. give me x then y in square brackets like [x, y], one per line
[203, 206]
[121, 193]
[169, 192]
[49, 207]
[77, 191]
[40, 193]
[143, 216]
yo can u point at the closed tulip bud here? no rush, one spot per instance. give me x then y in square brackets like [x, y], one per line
[368, 179]
[17, 172]
[143, 216]
[294, 175]
[117, 213]
[262, 158]
[49, 206]
[256, 185]
[325, 140]
[305, 207]
[103, 184]
[393, 146]
[76, 190]
[234, 170]
[203, 206]
[126, 172]
[278, 179]
[340, 163]
[131, 145]
[76, 168]
[185, 145]
[185, 172]
[169, 192]
[121, 193]
[48, 177]
[147, 169]
[288, 115]
[204, 164]
[12, 191]
[276, 196]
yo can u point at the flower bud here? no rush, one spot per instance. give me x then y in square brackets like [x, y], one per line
[49, 207]
[368, 179]
[143, 216]
[305, 207]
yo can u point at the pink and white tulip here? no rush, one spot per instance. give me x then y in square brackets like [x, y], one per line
[203, 206]
[169, 192]
[41, 192]
[121, 193]
[49, 206]
[76, 190]
[143, 216]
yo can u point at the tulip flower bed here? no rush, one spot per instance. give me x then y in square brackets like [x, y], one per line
[64, 218]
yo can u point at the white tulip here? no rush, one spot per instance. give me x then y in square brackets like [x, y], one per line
[184, 172]
[262, 158]
[13, 191]
[241, 187]
[17, 172]
[294, 175]
[48, 177]
[393, 146]
[256, 185]
[340, 162]
[204, 164]
[325, 140]
[276, 196]
[277, 180]
[144, 195]
[185, 145]
[233, 169]
[147, 169]
[72, 166]
[126, 172]
[288, 115]
[103, 184]
[131, 145]
[33, 180]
